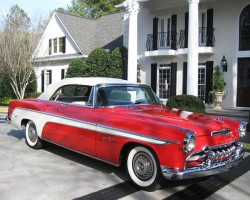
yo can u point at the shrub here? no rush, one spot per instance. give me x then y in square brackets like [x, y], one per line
[5, 101]
[187, 102]
[98, 63]
[218, 80]
[5, 87]
[32, 95]
[76, 68]
[119, 59]
[32, 86]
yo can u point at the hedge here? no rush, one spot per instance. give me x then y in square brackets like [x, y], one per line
[187, 102]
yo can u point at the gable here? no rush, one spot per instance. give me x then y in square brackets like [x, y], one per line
[81, 35]
[55, 30]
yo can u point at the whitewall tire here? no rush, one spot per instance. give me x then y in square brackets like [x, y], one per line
[142, 167]
[32, 138]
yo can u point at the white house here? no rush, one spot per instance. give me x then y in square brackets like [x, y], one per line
[178, 42]
[67, 37]
[175, 42]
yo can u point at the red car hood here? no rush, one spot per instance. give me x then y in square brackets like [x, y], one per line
[199, 123]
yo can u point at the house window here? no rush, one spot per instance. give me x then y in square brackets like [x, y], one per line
[163, 81]
[202, 82]
[244, 32]
[203, 28]
[48, 77]
[61, 44]
[164, 32]
[57, 45]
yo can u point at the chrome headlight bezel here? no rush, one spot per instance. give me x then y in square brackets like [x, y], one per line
[242, 129]
[189, 142]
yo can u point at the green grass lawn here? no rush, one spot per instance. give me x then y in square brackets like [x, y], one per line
[246, 146]
[5, 101]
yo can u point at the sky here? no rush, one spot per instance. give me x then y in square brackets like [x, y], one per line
[33, 7]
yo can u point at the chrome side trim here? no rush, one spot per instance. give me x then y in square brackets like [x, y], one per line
[136, 136]
[99, 128]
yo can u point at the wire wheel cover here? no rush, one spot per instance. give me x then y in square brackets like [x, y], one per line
[143, 166]
[32, 133]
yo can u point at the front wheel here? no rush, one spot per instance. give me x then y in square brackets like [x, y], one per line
[32, 138]
[142, 167]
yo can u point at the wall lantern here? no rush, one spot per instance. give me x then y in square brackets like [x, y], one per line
[224, 64]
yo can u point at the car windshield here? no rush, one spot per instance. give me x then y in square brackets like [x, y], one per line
[126, 95]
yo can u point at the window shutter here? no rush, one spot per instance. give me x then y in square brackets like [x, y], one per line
[42, 81]
[50, 46]
[173, 79]
[155, 33]
[184, 76]
[154, 76]
[62, 74]
[209, 75]
[174, 32]
[64, 45]
[186, 30]
[50, 76]
[210, 27]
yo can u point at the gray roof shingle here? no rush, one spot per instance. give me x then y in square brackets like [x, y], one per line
[105, 32]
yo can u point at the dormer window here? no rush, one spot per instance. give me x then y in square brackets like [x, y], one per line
[57, 45]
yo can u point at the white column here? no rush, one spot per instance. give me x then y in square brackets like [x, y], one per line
[193, 57]
[133, 9]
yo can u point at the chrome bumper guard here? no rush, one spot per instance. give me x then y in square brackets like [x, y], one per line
[208, 167]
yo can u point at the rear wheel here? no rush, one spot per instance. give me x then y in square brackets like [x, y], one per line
[143, 168]
[32, 138]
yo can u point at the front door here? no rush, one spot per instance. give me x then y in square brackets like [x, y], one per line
[243, 86]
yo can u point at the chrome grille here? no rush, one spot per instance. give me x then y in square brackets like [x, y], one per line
[222, 154]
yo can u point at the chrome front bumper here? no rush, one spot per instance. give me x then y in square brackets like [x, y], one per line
[205, 169]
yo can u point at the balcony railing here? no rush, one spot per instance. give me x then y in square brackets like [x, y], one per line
[168, 40]
[162, 40]
[206, 38]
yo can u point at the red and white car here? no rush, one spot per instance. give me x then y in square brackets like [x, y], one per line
[124, 123]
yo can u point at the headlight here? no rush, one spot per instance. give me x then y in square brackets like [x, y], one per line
[242, 129]
[189, 142]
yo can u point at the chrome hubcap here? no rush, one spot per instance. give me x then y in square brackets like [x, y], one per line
[32, 134]
[143, 166]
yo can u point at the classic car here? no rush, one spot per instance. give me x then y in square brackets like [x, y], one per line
[124, 123]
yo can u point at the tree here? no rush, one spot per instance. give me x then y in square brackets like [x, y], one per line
[18, 41]
[92, 8]
[17, 19]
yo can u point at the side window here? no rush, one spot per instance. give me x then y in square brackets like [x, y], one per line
[77, 94]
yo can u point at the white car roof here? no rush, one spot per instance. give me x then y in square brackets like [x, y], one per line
[80, 81]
